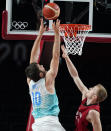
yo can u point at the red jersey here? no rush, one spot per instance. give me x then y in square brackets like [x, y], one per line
[80, 121]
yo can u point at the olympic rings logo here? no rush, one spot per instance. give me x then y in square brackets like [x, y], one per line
[19, 25]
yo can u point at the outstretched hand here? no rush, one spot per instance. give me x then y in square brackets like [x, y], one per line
[56, 25]
[42, 27]
[64, 51]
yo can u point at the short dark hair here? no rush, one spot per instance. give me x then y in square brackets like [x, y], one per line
[32, 71]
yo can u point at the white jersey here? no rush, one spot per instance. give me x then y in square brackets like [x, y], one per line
[43, 102]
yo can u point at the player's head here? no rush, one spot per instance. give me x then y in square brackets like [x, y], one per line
[35, 71]
[97, 93]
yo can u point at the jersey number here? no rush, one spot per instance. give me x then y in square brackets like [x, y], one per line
[36, 98]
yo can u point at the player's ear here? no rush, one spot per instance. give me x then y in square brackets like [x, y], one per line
[41, 74]
[95, 97]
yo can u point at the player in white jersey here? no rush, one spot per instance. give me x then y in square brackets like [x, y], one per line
[42, 85]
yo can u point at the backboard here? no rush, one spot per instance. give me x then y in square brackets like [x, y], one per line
[21, 19]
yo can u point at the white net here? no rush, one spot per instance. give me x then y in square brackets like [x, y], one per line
[74, 36]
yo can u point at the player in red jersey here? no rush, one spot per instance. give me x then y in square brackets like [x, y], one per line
[89, 110]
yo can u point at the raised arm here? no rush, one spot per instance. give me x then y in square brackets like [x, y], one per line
[36, 47]
[73, 72]
[51, 74]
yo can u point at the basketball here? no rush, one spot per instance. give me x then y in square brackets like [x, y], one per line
[51, 11]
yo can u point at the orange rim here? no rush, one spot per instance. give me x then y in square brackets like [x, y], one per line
[79, 26]
[75, 28]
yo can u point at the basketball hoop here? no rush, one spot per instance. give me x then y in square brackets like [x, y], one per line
[74, 36]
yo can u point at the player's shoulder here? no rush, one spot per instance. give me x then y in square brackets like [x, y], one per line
[93, 114]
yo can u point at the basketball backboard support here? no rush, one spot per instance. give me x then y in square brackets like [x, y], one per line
[20, 18]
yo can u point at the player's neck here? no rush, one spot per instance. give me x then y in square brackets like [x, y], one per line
[90, 102]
